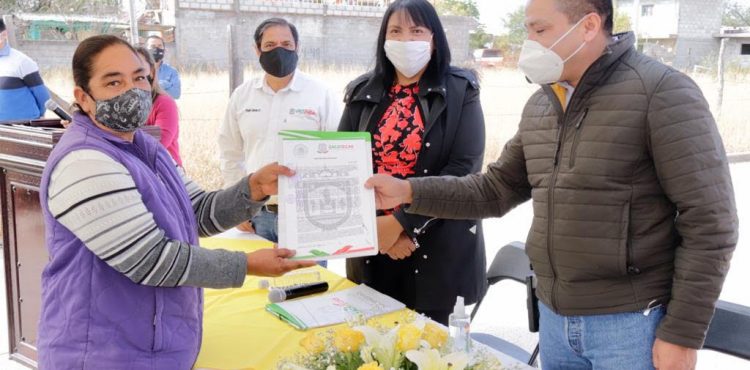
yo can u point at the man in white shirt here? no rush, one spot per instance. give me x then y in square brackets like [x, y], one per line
[281, 99]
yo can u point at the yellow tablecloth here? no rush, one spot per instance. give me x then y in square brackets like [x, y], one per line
[237, 331]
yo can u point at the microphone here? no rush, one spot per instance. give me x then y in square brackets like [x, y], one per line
[51, 105]
[277, 295]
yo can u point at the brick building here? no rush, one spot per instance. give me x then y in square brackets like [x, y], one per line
[678, 32]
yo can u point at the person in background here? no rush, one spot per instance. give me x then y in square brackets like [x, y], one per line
[164, 113]
[169, 78]
[635, 220]
[122, 288]
[283, 98]
[426, 119]
[22, 90]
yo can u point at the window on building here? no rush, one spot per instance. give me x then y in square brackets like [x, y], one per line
[745, 49]
[647, 10]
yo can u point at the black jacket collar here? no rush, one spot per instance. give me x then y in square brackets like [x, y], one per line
[373, 90]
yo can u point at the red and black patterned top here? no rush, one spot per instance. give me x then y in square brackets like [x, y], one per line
[398, 136]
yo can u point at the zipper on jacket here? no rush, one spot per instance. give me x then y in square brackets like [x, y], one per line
[629, 253]
[562, 128]
[558, 145]
[551, 218]
[551, 208]
[576, 138]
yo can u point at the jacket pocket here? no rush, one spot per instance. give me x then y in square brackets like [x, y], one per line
[624, 252]
[577, 138]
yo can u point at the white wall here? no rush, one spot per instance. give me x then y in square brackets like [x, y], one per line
[662, 24]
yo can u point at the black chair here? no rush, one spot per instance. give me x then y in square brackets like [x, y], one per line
[729, 331]
[511, 262]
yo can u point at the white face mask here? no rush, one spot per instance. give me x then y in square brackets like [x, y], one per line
[542, 65]
[409, 57]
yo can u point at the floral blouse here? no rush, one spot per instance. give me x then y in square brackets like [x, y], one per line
[398, 137]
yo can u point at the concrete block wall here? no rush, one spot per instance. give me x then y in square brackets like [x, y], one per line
[49, 54]
[733, 53]
[700, 21]
[202, 38]
[207, 4]
[59, 54]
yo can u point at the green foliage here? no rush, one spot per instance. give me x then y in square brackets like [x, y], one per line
[515, 23]
[467, 8]
[622, 22]
[77, 7]
[736, 15]
[480, 39]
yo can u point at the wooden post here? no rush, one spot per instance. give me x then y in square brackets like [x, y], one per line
[10, 27]
[134, 38]
[720, 70]
[236, 69]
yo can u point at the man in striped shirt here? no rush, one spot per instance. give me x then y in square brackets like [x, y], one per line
[22, 91]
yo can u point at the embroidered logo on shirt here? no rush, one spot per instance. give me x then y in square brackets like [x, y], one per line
[307, 113]
[252, 110]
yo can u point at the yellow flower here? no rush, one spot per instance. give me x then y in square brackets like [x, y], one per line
[408, 337]
[312, 344]
[434, 335]
[347, 339]
[370, 366]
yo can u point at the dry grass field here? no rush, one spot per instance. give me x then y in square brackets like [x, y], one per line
[205, 94]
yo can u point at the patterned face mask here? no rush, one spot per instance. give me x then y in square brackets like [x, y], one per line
[125, 112]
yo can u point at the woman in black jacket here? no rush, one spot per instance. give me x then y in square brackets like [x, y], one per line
[426, 120]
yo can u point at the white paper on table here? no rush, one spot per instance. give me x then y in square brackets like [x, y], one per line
[325, 212]
[327, 309]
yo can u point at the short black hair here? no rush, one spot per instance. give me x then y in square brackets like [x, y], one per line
[423, 14]
[158, 38]
[577, 9]
[270, 22]
[2, 25]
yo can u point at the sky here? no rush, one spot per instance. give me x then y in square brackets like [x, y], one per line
[492, 12]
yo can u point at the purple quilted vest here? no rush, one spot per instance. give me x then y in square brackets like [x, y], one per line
[94, 317]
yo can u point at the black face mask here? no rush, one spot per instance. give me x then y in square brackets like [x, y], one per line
[279, 62]
[157, 54]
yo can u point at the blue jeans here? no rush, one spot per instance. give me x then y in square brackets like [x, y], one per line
[266, 225]
[614, 341]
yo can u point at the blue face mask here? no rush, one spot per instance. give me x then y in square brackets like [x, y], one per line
[126, 112]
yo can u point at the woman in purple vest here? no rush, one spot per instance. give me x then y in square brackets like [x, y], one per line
[122, 289]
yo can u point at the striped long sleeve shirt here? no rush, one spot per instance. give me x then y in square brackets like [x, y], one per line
[95, 197]
[22, 90]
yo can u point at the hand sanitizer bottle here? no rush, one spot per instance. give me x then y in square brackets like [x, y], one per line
[459, 323]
